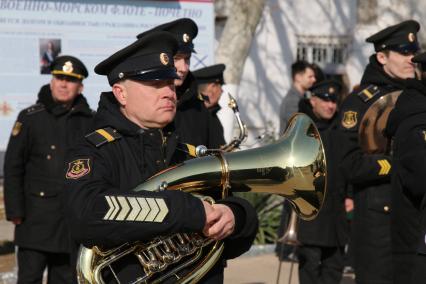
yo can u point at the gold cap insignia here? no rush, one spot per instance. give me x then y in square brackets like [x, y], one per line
[411, 37]
[349, 119]
[331, 90]
[186, 38]
[78, 169]
[16, 128]
[68, 68]
[164, 58]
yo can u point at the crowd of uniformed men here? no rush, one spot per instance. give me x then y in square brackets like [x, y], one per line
[67, 168]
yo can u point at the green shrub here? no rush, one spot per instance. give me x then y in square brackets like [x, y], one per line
[268, 208]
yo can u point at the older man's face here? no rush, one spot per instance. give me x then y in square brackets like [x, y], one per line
[65, 89]
[149, 104]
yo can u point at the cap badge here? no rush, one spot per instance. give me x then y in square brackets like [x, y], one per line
[411, 37]
[186, 38]
[68, 68]
[331, 90]
[120, 75]
[164, 58]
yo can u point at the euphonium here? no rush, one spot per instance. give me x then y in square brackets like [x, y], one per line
[293, 167]
[371, 135]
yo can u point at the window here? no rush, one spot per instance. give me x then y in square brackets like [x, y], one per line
[328, 52]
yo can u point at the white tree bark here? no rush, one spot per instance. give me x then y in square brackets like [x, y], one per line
[236, 38]
[233, 48]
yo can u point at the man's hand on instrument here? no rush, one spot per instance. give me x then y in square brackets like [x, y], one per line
[220, 221]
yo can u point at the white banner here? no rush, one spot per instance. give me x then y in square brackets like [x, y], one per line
[33, 33]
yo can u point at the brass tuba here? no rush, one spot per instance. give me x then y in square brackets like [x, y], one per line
[371, 129]
[293, 167]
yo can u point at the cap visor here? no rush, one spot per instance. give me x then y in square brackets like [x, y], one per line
[159, 74]
[405, 48]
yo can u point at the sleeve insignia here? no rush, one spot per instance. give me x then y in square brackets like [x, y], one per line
[136, 209]
[78, 169]
[16, 128]
[385, 167]
[424, 134]
[349, 119]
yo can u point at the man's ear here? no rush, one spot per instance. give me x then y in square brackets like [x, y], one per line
[297, 77]
[120, 93]
[81, 88]
[382, 57]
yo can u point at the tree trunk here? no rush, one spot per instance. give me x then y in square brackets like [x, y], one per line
[236, 38]
[233, 48]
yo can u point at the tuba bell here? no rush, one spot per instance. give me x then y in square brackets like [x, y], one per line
[293, 167]
[371, 135]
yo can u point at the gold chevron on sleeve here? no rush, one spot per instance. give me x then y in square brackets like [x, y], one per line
[385, 167]
[136, 209]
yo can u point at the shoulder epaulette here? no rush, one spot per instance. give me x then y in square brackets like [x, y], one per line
[187, 148]
[103, 135]
[34, 109]
[368, 93]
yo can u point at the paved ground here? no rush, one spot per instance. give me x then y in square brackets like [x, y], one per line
[263, 269]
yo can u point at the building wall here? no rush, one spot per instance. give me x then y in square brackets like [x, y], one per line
[266, 75]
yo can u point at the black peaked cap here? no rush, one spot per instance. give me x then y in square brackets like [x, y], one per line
[401, 37]
[71, 66]
[210, 74]
[326, 90]
[184, 30]
[148, 58]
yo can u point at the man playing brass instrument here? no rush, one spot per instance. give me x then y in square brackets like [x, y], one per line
[134, 139]
[369, 173]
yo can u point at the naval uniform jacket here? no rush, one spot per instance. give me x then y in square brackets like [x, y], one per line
[194, 122]
[369, 174]
[407, 126]
[33, 169]
[330, 227]
[105, 167]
